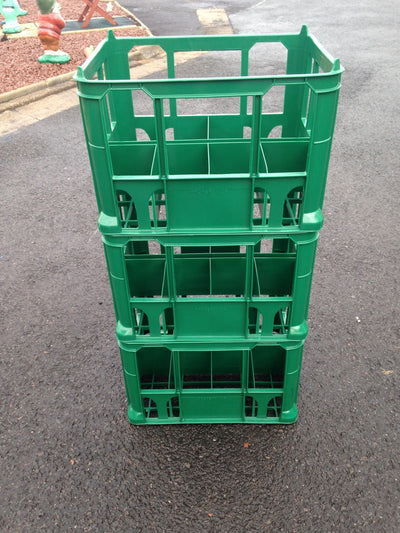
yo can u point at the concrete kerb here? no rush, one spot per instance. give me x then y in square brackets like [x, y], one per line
[37, 91]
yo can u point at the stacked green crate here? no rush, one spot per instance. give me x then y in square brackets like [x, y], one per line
[210, 224]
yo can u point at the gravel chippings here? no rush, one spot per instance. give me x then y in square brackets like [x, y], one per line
[19, 55]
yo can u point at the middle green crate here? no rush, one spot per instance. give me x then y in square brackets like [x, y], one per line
[193, 292]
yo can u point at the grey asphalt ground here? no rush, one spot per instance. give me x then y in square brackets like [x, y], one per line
[70, 461]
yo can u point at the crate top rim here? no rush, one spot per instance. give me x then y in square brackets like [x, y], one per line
[172, 44]
[208, 238]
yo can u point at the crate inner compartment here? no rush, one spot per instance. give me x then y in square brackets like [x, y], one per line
[202, 158]
[260, 368]
[208, 271]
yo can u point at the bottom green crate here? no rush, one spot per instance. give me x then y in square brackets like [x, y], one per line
[257, 385]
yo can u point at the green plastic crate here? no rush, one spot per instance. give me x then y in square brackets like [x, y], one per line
[171, 171]
[200, 293]
[212, 385]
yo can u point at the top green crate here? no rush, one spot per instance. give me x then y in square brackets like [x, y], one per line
[247, 153]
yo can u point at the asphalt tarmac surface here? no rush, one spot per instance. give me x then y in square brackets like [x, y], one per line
[70, 461]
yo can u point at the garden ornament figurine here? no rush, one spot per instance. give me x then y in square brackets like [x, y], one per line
[11, 10]
[51, 24]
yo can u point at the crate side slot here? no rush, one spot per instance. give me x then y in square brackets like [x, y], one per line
[274, 275]
[285, 155]
[228, 276]
[228, 126]
[230, 158]
[155, 366]
[267, 367]
[192, 277]
[192, 127]
[146, 276]
[134, 159]
[187, 158]
[202, 275]
[211, 369]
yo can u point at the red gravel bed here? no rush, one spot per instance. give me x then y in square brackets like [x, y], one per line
[19, 56]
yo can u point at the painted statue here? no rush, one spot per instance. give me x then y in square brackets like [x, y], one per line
[51, 24]
[11, 10]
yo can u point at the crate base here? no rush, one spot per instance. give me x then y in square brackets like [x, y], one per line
[289, 417]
